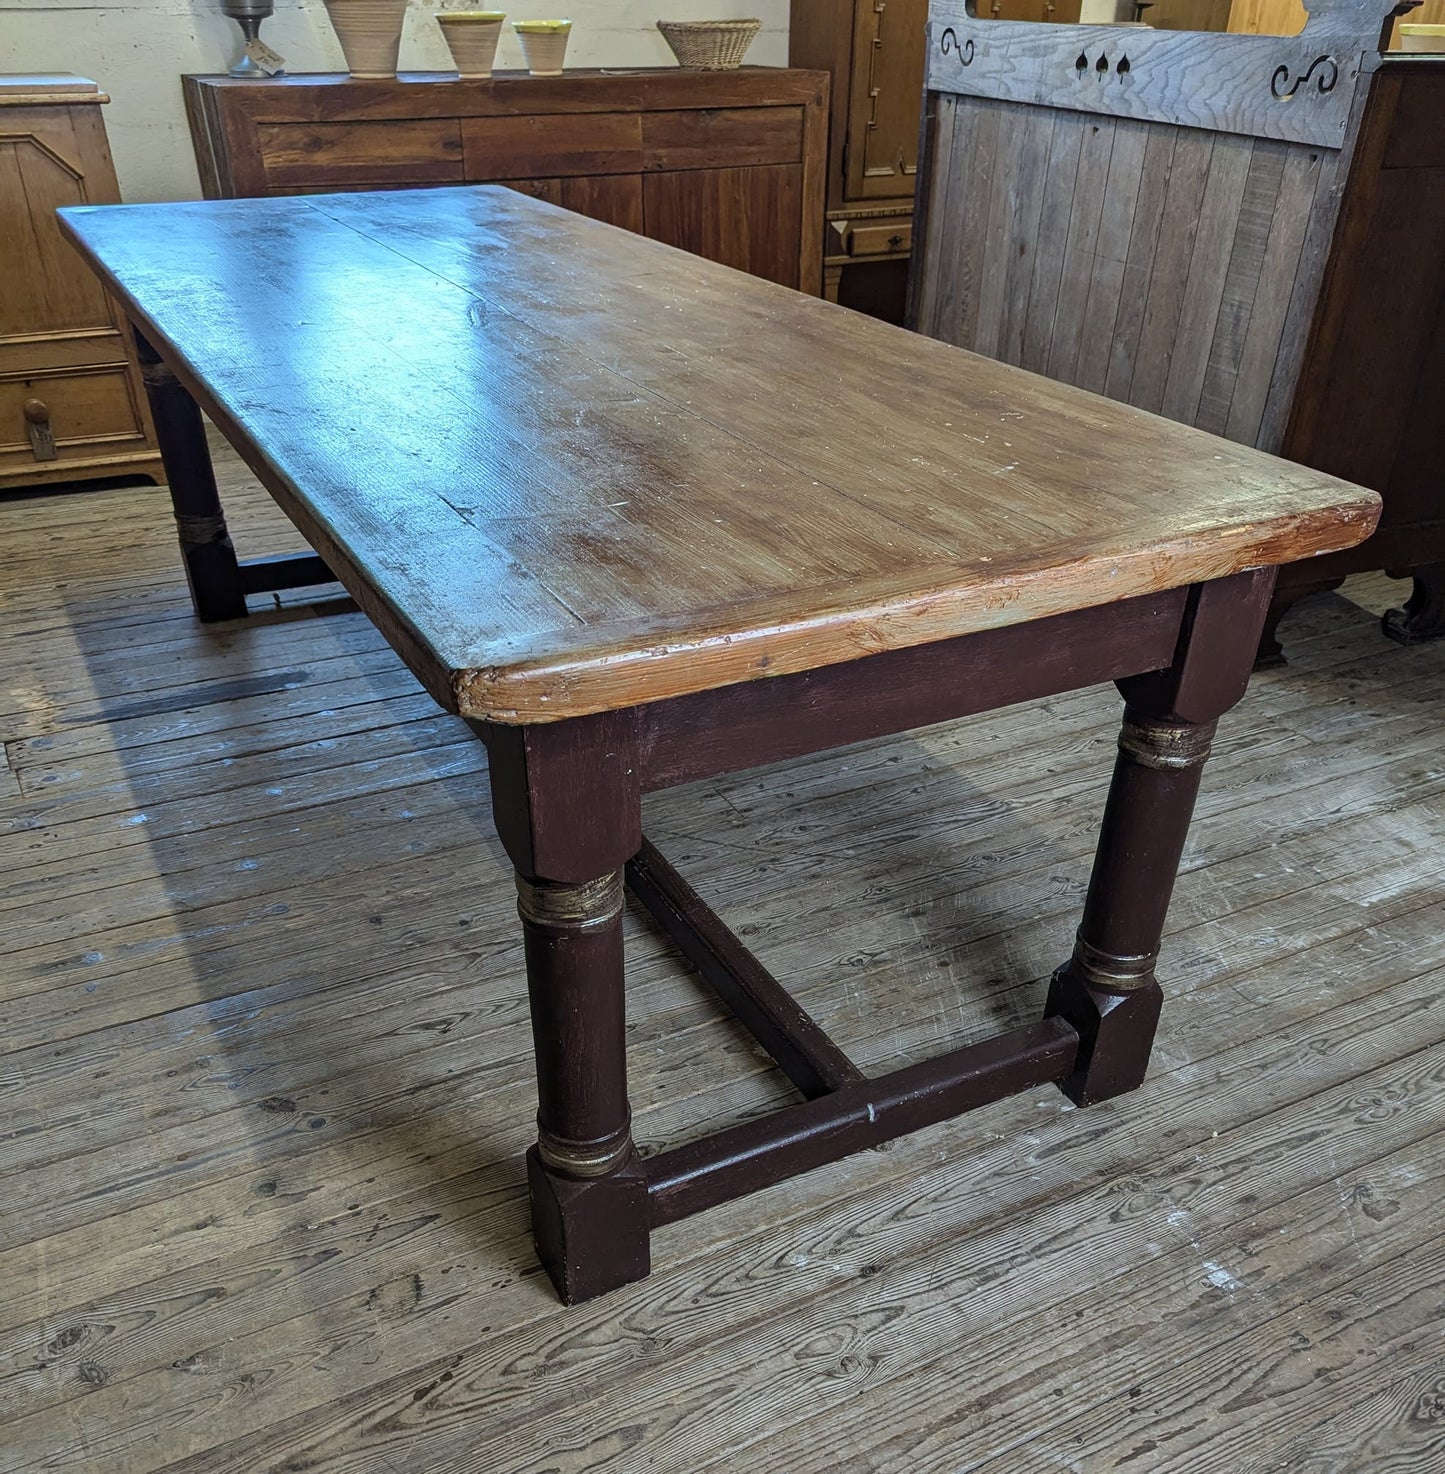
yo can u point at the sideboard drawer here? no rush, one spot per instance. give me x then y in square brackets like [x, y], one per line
[552, 145]
[722, 138]
[300, 156]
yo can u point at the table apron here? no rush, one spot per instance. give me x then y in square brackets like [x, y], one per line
[765, 721]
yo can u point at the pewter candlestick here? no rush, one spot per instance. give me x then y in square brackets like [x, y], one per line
[248, 14]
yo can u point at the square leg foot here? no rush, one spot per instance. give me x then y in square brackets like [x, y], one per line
[592, 1233]
[1116, 1033]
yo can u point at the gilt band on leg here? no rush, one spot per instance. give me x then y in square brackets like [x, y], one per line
[574, 966]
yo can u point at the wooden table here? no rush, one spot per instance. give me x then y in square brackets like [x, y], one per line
[642, 519]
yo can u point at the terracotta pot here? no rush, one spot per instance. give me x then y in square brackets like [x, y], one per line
[544, 44]
[472, 37]
[370, 34]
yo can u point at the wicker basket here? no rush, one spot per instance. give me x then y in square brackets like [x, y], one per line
[709, 45]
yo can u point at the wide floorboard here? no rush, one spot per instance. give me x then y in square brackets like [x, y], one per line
[265, 1075]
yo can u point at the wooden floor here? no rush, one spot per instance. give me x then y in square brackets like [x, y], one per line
[265, 1077]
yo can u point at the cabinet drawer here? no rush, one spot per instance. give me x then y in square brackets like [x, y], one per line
[87, 411]
[722, 138]
[889, 239]
[551, 145]
[313, 155]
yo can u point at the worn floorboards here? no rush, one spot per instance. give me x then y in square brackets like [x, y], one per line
[265, 1076]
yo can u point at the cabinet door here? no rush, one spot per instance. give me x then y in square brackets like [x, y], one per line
[613, 198]
[48, 289]
[887, 92]
[750, 219]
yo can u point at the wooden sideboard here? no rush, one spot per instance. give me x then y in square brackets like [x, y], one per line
[1260, 253]
[728, 165]
[71, 406]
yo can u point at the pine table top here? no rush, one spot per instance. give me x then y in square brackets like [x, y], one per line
[568, 469]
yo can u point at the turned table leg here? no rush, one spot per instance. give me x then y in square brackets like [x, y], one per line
[1107, 990]
[589, 1199]
[214, 576]
[568, 810]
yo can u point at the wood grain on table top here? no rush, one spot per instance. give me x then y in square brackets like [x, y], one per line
[568, 469]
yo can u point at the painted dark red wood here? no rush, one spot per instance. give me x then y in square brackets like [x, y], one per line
[761, 1004]
[756, 1154]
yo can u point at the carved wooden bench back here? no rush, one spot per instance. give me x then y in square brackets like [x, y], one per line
[1143, 213]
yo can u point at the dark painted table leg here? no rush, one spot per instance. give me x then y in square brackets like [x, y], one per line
[212, 572]
[567, 806]
[589, 1198]
[1107, 990]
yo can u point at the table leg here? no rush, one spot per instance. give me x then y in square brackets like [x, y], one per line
[1107, 990]
[212, 572]
[589, 1198]
[568, 811]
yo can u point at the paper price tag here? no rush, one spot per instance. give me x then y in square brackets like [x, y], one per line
[270, 62]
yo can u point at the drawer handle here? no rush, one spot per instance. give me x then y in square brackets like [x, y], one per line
[37, 426]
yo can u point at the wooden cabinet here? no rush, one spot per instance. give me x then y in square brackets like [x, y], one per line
[1367, 405]
[728, 165]
[874, 50]
[71, 405]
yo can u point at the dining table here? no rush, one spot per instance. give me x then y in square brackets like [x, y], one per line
[640, 520]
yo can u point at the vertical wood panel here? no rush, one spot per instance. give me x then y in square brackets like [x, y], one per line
[1090, 190]
[931, 209]
[1023, 241]
[614, 198]
[1208, 269]
[1241, 284]
[998, 243]
[952, 240]
[971, 233]
[1121, 199]
[1298, 184]
[1170, 274]
[1143, 242]
[1365, 148]
[739, 217]
[1068, 141]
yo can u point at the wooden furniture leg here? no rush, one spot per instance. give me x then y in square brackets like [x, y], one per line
[589, 1197]
[1423, 617]
[212, 572]
[1107, 990]
[218, 580]
[568, 810]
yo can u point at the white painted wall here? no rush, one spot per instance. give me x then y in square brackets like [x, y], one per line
[137, 50]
